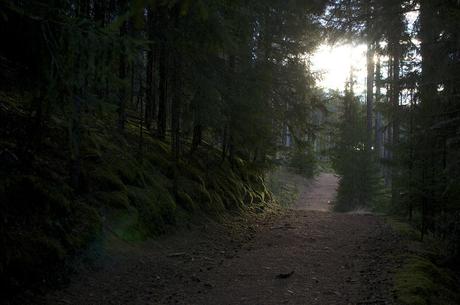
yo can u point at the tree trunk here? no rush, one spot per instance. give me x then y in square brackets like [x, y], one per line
[83, 8]
[395, 54]
[428, 93]
[99, 12]
[370, 94]
[224, 143]
[141, 125]
[176, 109]
[150, 82]
[394, 101]
[122, 74]
[378, 114]
[197, 137]
[75, 139]
[411, 156]
[163, 95]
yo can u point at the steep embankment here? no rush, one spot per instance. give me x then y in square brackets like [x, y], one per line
[129, 186]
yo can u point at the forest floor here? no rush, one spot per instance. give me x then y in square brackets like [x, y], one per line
[303, 255]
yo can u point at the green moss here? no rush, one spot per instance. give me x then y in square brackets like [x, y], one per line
[248, 198]
[104, 179]
[91, 154]
[238, 187]
[256, 181]
[230, 190]
[258, 198]
[193, 195]
[155, 206]
[186, 202]
[157, 146]
[153, 176]
[161, 161]
[196, 197]
[86, 225]
[191, 172]
[216, 204]
[126, 225]
[134, 196]
[115, 199]
[128, 171]
[420, 281]
[98, 142]
[226, 196]
[404, 229]
[91, 149]
[203, 197]
[46, 222]
[29, 195]
[30, 256]
[167, 207]
[413, 285]
[37, 248]
[150, 217]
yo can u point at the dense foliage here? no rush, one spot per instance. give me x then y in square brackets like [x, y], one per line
[359, 185]
[127, 115]
[209, 71]
[412, 103]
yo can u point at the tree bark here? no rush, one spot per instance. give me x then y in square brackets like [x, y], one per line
[163, 95]
[150, 81]
[428, 92]
[395, 50]
[197, 137]
[99, 12]
[378, 114]
[122, 73]
[176, 109]
[370, 93]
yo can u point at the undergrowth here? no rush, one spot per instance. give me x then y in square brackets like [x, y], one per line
[422, 280]
[125, 189]
[283, 186]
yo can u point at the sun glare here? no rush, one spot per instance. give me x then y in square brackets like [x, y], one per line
[334, 64]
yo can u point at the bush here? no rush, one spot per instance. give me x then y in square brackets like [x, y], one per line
[303, 162]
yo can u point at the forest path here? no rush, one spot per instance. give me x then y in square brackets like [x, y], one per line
[300, 257]
[317, 194]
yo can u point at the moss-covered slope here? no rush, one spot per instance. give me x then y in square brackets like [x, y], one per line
[421, 278]
[128, 186]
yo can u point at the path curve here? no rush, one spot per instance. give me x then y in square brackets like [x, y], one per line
[318, 193]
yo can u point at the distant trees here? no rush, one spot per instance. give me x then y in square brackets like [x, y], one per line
[416, 92]
[359, 184]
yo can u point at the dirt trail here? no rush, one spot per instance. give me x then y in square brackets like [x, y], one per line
[302, 257]
[318, 194]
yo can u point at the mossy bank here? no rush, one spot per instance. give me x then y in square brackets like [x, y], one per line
[424, 277]
[129, 186]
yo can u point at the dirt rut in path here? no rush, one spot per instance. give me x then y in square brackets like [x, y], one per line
[301, 257]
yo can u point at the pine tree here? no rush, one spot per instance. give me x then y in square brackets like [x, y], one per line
[359, 185]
